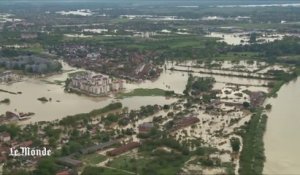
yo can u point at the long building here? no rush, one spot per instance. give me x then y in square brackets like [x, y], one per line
[98, 147]
[123, 149]
[184, 122]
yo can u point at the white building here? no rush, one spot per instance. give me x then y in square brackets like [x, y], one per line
[8, 76]
[5, 137]
[96, 84]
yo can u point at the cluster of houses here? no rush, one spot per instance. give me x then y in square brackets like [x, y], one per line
[7, 142]
[236, 97]
[12, 117]
[184, 122]
[147, 71]
[72, 162]
[118, 62]
[31, 64]
[9, 76]
[98, 84]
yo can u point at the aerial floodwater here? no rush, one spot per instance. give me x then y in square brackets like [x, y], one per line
[149, 87]
[62, 104]
[282, 141]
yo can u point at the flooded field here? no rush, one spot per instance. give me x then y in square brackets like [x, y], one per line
[95, 30]
[218, 78]
[221, 18]
[243, 38]
[241, 65]
[4, 17]
[78, 36]
[157, 18]
[63, 104]
[81, 12]
[176, 81]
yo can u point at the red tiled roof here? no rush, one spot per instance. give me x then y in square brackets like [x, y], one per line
[5, 134]
[184, 122]
[26, 143]
[145, 127]
[123, 149]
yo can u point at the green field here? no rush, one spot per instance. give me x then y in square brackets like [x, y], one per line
[165, 165]
[160, 42]
[252, 157]
[237, 56]
[144, 92]
[93, 159]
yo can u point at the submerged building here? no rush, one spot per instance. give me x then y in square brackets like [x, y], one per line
[9, 76]
[98, 84]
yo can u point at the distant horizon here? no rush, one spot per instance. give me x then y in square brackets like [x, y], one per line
[243, 1]
[229, 2]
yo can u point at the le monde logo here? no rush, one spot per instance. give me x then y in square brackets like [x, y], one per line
[27, 151]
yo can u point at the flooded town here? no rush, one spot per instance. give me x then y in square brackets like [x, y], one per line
[148, 87]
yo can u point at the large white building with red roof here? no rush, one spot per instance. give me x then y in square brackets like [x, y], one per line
[97, 84]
